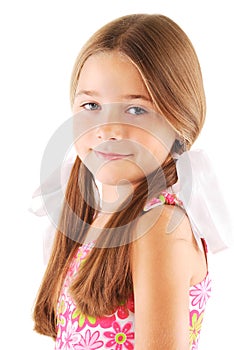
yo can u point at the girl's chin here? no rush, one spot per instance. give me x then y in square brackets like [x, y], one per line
[118, 180]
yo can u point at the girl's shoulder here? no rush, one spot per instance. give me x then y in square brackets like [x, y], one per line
[165, 219]
[166, 241]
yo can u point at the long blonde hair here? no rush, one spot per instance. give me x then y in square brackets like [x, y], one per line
[170, 69]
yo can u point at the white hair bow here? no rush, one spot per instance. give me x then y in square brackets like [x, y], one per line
[47, 202]
[198, 188]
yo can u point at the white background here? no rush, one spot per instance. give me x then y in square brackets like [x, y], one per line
[39, 43]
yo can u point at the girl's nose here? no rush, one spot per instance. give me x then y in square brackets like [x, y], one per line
[110, 131]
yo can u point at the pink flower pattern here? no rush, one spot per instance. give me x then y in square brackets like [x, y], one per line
[116, 332]
[121, 337]
[164, 198]
[124, 309]
[70, 337]
[90, 341]
[200, 293]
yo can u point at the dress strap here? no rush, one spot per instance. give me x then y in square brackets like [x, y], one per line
[165, 197]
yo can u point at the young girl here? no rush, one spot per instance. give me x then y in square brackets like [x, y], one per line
[129, 271]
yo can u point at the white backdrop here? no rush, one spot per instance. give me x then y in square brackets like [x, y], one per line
[39, 43]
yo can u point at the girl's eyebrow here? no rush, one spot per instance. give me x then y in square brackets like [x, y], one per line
[124, 97]
[87, 92]
[136, 97]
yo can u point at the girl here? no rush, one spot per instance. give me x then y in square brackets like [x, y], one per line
[129, 271]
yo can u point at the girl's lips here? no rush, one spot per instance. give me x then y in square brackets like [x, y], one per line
[111, 156]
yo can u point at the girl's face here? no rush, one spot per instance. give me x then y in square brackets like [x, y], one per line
[118, 133]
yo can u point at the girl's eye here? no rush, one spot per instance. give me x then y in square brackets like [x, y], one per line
[91, 106]
[136, 110]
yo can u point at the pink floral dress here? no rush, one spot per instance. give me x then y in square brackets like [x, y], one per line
[116, 332]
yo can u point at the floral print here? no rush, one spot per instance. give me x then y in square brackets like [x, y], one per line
[200, 293]
[124, 308]
[76, 331]
[195, 326]
[70, 337]
[121, 337]
[91, 321]
[90, 341]
[164, 198]
[83, 320]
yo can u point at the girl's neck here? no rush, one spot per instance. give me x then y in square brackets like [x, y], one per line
[112, 196]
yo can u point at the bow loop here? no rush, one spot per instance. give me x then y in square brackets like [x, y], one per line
[199, 190]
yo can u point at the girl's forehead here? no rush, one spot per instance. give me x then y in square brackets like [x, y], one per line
[111, 73]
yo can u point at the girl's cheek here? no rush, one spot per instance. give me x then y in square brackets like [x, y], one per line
[80, 149]
[83, 147]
